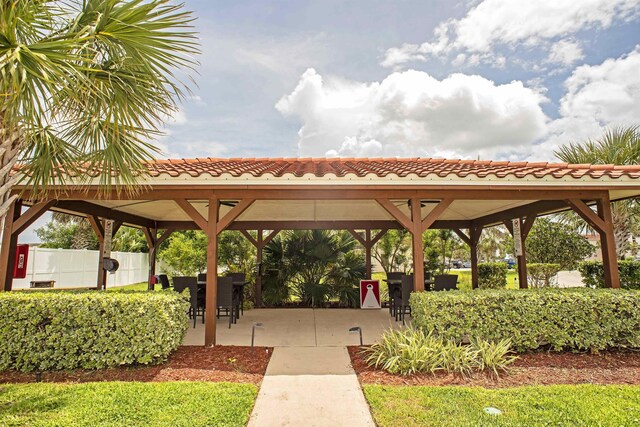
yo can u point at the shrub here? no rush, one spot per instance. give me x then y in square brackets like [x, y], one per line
[542, 275]
[409, 351]
[563, 319]
[592, 273]
[88, 329]
[492, 275]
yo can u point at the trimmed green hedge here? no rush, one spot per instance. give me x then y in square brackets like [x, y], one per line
[89, 329]
[563, 319]
[492, 275]
[592, 273]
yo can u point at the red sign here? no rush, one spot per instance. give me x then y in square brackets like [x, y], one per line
[20, 266]
[370, 294]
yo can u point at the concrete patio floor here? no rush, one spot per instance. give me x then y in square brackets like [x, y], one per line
[286, 327]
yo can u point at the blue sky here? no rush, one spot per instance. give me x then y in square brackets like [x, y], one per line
[493, 79]
[496, 79]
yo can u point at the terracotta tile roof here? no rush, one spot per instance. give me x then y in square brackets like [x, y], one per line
[422, 167]
[381, 167]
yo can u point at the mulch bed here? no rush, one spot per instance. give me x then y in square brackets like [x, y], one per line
[544, 368]
[188, 363]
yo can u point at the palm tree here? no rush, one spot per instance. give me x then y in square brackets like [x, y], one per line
[85, 85]
[620, 146]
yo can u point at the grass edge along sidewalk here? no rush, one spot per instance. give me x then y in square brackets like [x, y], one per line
[127, 404]
[579, 405]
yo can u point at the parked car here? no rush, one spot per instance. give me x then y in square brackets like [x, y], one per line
[511, 263]
[457, 264]
[466, 264]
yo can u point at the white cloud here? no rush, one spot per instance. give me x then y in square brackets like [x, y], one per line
[565, 52]
[597, 97]
[513, 22]
[412, 113]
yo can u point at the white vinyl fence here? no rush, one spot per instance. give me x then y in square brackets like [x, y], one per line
[73, 268]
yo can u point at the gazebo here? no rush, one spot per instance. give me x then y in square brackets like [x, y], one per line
[365, 196]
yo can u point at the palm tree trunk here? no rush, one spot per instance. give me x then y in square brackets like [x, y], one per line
[9, 149]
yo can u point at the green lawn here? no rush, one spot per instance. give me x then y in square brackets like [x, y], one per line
[126, 404]
[464, 278]
[142, 286]
[558, 405]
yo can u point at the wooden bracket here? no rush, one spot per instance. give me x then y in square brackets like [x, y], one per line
[234, 213]
[393, 210]
[31, 215]
[587, 214]
[192, 213]
[435, 213]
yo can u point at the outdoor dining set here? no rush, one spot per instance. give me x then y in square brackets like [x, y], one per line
[230, 294]
[401, 286]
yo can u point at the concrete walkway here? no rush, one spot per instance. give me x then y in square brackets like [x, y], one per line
[310, 386]
[302, 327]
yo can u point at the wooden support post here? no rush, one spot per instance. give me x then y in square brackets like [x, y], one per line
[367, 253]
[98, 228]
[9, 243]
[608, 245]
[211, 303]
[525, 227]
[257, 291]
[151, 235]
[472, 240]
[418, 253]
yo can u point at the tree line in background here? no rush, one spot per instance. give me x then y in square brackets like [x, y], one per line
[315, 267]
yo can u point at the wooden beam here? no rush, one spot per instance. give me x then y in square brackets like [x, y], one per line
[211, 304]
[234, 213]
[31, 215]
[393, 210]
[116, 226]
[582, 209]
[192, 213]
[250, 238]
[488, 191]
[435, 213]
[608, 245]
[535, 208]
[86, 208]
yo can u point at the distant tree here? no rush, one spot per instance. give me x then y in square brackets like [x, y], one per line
[552, 242]
[185, 254]
[439, 247]
[494, 241]
[392, 251]
[620, 146]
[129, 239]
[236, 253]
[58, 235]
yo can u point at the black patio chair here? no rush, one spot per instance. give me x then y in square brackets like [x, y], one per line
[394, 275]
[227, 299]
[238, 278]
[164, 281]
[402, 300]
[181, 283]
[202, 277]
[445, 282]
